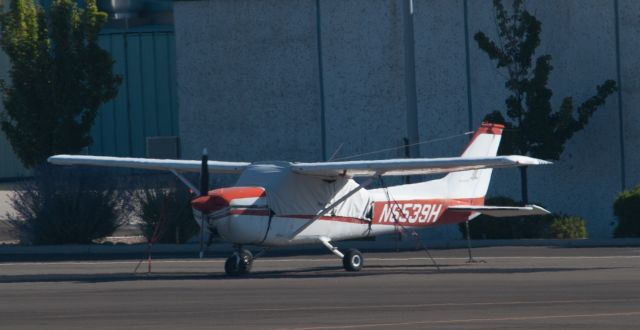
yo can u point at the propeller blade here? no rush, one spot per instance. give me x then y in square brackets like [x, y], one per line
[203, 218]
[204, 191]
[204, 174]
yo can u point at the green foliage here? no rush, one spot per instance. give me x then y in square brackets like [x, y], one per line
[167, 213]
[535, 129]
[626, 208]
[568, 227]
[69, 206]
[59, 77]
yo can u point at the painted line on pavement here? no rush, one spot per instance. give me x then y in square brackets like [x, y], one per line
[498, 319]
[453, 304]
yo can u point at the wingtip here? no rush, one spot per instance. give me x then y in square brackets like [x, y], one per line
[541, 210]
[526, 160]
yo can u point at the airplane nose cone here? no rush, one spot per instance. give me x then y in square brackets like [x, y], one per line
[209, 203]
[221, 198]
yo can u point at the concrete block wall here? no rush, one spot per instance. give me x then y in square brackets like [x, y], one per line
[255, 79]
[629, 18]
[248, 79]
[363, 62]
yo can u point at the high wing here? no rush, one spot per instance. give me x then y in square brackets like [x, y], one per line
[500, 211]
[149, 163]
[412, 166]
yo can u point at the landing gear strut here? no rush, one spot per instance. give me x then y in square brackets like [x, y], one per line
[352, 261]
[239, 263]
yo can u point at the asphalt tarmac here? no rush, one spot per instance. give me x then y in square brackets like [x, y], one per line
[514, 288]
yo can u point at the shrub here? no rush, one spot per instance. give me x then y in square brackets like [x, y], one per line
[568, 227]
[69, 205]
[167, 213]
[626, 208]
[486, 227]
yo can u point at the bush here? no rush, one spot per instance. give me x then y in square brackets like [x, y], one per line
[626, 208]
[69, 206]
[486, 227]
[568, 227]
[167, 213]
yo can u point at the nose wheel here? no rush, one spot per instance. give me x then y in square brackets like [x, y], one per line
[239, 263]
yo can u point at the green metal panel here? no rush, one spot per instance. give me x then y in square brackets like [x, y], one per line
[172, 84]
[163, 84]
[146, 103]
[136, 97]
[148, 72]
[121, 108]
[96, 130]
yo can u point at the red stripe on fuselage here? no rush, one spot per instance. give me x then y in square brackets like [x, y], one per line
[410, 213]
[326, 218]
[295, 216]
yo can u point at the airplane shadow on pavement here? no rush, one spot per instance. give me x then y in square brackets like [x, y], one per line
[305, 273]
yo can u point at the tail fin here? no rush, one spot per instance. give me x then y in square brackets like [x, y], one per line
[475, 183]
[471, 185]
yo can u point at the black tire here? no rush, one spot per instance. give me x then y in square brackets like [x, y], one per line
[230, 266]
[352, 260]
[239, 263]
[246, 261]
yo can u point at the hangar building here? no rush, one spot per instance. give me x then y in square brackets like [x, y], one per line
[299, 80]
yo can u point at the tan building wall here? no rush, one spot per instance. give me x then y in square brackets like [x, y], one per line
[262, 80]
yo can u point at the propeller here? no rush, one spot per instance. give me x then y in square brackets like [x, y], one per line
[204, 191]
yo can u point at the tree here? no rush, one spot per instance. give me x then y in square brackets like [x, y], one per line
[59, 77]
[533, 127]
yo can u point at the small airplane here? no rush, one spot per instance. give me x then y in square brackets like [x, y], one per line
[287, 203]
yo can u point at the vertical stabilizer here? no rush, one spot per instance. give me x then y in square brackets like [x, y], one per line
[466, 185]
[474, 184]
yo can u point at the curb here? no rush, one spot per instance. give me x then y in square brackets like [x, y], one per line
[387, 245]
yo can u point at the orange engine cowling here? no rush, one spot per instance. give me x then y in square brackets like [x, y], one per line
[221, 198]
[240, 215]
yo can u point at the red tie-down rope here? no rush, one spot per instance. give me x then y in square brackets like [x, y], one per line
[403, 230]
[157, 231]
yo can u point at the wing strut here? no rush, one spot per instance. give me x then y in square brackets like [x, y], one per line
[187, 183]
[334, 204]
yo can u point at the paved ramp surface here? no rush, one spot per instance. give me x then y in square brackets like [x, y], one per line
[515, 288]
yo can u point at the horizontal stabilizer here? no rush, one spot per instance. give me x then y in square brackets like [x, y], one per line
[149, 163]
[500, 211]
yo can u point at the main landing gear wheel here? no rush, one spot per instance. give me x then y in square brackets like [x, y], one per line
[239, 263]
[352, 260]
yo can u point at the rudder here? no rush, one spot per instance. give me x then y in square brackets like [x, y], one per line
[474, 184]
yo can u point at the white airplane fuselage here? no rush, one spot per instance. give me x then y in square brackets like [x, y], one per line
[243, 216]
